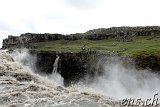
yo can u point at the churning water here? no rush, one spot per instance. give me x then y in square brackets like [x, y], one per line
[21, 87]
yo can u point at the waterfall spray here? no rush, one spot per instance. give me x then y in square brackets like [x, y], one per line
[121, 82]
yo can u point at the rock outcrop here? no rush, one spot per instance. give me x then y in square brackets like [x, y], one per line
[10, 41]
[151, 62]
[25, 39]
[119, 33]
[72, 66]
[122, 33]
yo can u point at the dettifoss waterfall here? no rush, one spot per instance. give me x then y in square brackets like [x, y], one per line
[20, 86]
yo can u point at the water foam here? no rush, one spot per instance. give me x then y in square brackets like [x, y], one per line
[21, 87]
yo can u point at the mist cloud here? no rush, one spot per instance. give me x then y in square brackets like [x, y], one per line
[121, 81]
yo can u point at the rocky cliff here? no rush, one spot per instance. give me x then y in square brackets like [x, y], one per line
[71, 66]
[74, 66]
[25, 39]
[120, 33]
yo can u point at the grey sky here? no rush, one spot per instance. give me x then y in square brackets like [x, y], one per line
[82, 4]
[71, 16]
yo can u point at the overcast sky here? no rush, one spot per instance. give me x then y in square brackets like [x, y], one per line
[73, 16]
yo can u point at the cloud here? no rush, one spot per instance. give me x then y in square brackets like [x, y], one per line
[4, 26]
[72, 16]
[82, 4]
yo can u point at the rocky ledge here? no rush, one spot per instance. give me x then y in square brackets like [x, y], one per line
[120, 33]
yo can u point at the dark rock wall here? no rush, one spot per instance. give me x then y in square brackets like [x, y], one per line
[10, 41]
[75, 66]
[122, 33]
[72, 66]
[27, 38]
[151, 62]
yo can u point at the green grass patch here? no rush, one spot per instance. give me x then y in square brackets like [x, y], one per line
[141, 45]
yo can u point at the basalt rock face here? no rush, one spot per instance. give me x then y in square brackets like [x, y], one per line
[120, 33]
[25, 39]
[10, 41]
[72, 66]
[151, 62]
[138, 30]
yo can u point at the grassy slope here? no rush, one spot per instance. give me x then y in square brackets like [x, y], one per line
[148, 45]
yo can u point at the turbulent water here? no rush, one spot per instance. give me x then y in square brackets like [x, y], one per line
[21, 87]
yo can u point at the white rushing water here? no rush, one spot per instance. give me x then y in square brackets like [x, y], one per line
[20, 86]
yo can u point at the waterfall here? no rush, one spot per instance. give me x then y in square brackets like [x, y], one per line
[55, 76]
[55, 65]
